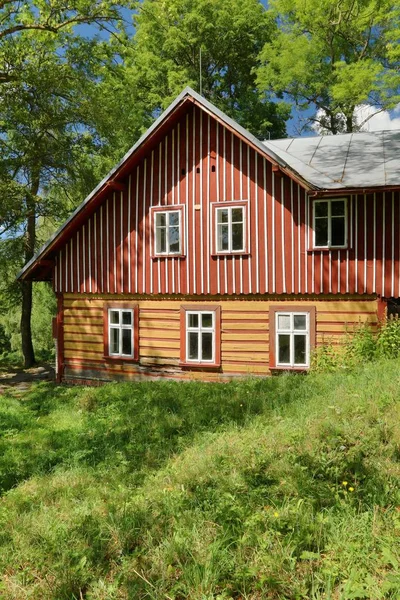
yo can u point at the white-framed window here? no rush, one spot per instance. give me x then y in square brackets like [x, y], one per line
[121, 332]
[292, 338]
[200, 336]
[230, 228]
[330, 223]
[168, 232]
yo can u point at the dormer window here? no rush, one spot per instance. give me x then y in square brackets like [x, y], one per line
[330, 223]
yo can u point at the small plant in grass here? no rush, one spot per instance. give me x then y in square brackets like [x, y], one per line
[388, 341]
[325, 358]
[360, 345]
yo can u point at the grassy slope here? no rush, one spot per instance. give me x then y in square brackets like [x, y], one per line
[169, 490]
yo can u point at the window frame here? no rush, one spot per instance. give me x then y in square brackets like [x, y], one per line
[121, 306]
[274, 311]
[184, 330]
[329, 201]
[154, 210]
[230, 205]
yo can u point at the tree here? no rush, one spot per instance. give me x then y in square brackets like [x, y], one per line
[334, 55]
[47, 75]
[164, 57]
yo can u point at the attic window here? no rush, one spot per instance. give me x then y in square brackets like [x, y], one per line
[330, 223]
[167, 230]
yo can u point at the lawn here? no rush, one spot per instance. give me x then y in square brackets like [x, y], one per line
[280, 488]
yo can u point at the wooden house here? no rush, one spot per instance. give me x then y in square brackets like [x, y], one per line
[206, 253]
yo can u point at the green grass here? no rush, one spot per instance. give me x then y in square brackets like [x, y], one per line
[285, 488]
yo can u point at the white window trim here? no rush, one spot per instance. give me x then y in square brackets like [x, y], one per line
[292, 332]
[230, 205]
[329, 201]
[121, 326]
[179, 208]
[199, 330]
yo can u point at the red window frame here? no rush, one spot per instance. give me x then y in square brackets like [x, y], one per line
[217, 348]
[128, 306]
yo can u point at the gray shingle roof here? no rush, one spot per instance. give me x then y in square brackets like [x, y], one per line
[351, 160]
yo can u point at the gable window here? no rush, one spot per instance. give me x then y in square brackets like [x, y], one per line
[330, 223]
[121, 331]
[230, 227]
[200, 336]
[167, 231]
[292, 335]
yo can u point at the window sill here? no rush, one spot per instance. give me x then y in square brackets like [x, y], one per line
[200, 366]
[327, 248]
[236, 253]
[156, 256]
[120, 359]
[290, 369]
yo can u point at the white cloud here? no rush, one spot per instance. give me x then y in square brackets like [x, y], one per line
[374, 120]
[380, 121]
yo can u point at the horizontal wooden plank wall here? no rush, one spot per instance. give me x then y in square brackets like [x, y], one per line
[244, 334]
[200, 162]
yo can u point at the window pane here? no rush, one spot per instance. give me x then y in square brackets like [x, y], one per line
[237, 215]
[283, 348]
[338, 231]
[300, 322]
[321, 232]
[283, 321]
[160, 219]
[300, 349]
[114, 317]
[207, 320]
[173, 218]
[321, 209]
[127, 317]
[222, 215]
[223, 232]
[237, 236]
[161, 245]
[193, 346]
[114, 341]
[207, 346]
[174, 239]
[337, 208]
[127, 341]
[193, 320]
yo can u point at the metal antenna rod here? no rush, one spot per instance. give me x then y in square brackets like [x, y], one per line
[201, 81]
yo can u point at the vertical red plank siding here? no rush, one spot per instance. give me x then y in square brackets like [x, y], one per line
[197, 164]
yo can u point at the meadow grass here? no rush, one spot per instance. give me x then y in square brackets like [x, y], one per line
[281, 488]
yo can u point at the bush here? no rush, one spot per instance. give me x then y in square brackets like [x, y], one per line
[360, 346]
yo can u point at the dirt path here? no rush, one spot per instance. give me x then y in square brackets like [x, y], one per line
[22, 379]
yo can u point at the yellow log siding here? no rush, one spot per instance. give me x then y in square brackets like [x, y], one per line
[244, 334]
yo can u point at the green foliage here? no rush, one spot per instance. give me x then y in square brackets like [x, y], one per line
[44, 308]
[388, 342]
[361, 345]
[277, 488]
[334, 55]
[164, 57]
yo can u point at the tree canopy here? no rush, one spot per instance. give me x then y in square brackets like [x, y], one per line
[334, 55]
[173, 38]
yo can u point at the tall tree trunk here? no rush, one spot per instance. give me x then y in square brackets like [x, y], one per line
[26, 310]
